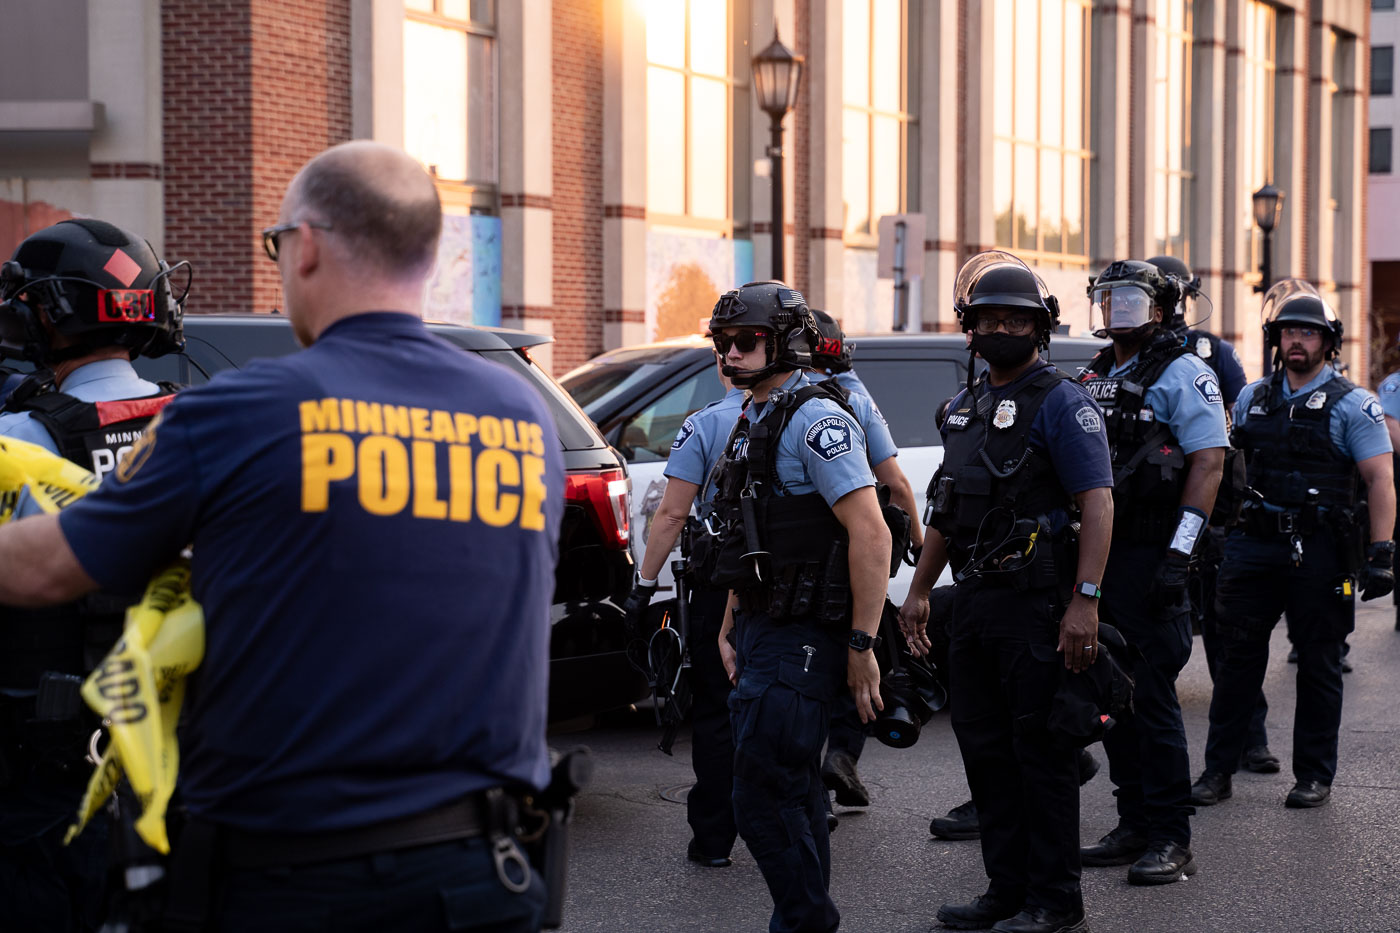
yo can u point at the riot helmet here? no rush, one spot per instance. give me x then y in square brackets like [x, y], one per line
[832, 351]
[93, 283]
[1297, 303]
[1190, 287]
[1124, 296]
[997, 279]
[778, 314]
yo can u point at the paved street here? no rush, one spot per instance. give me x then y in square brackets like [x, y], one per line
[1263, 868]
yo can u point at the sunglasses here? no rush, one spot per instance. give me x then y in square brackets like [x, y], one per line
[746, 340]
[271, 235]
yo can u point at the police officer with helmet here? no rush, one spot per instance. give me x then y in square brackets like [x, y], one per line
[1165, 426]
[1025, 467]
[802, 544]
[1217, 353]
[79, 300]
[1317, 528]
[374, 525]
[1389, 393]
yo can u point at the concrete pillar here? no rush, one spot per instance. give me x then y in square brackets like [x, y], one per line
[624, 174]
[1209, 207]
[1110, 188]
[938, 181]
[825, 247]
[763, 14]
[1291, 147]
[376, 70]
[983, 53]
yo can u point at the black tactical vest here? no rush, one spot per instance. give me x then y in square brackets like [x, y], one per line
[993, 495]
[1206, 346]
[1149, 466]
[72, 638]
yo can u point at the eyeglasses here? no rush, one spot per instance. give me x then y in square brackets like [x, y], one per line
[745, 340]
[1303, 333]
[1017, 325]
[271, 235]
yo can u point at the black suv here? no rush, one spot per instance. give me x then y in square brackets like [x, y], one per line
[589, 672]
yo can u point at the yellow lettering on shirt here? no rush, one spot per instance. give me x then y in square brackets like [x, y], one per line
[325, 459]
[496, 468]
[384, 483]
[426, 503]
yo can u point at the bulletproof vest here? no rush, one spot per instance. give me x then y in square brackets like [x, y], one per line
[992, 495]
[72, 638]
[1149, 466]
[1289, 449]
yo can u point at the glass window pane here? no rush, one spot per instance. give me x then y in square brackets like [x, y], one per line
[455, 9]
[1075, 208]
[1052, 68]
[855, 52]
[1050, 206]
[887, 56]
[666, 32]
[1002, 79]
[1159, 211]
[481, 109]
[885, 168]
[1001, 191]
[855, 170]
[1382, 70]
[709, 37]
[484, 12]
[1380, 151]
[665, 142]
[647, 437]
[435, 98]
[1076, 66]
[1026, 72]
[423, 6]
[1025, 197]
[709, 148]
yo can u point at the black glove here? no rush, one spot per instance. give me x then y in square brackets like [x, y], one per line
[1380, 578]
[1169, 587]
[634, 608]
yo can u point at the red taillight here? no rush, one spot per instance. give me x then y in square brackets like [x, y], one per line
[606, 495]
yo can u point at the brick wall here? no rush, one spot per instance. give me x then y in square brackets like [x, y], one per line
[578, 182]
[252, 89]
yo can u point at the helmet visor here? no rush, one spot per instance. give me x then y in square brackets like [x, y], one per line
[980, 265]
[1284, 293]
[1121, 307]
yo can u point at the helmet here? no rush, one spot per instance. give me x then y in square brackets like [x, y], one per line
[832, 351]
[997, 279]
[1294, 301]
[92, 282]
[780, 311]
[1190, 286]
[1125, 294]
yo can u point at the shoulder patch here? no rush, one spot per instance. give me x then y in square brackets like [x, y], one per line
[830, 437]
[1390, 385]
[1089, 419]
[683, 435]
[1371, 408]
[1208, 385]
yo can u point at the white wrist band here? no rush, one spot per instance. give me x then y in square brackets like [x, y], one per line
[1188, 530]
[643, 581]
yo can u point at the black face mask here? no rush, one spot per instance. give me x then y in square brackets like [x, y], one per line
[1003, 351]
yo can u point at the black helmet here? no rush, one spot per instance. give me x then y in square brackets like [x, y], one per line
[1294, 301]
[782, 313]
[1125, 294]
[93, 282]
[1190, 286]
[832, 351]
[997, 279]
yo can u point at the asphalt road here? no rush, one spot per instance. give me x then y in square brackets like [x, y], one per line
[1263, 868]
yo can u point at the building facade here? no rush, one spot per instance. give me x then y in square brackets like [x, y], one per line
[1382, 233]
[603, 163]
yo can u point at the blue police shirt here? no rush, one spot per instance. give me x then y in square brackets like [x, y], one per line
[700, 441]
[878, 440]
[375, 527]
[1357, 425]
[1068, 427]
[1389, 393]
[852, 384]
[1187, 397]
[1226, 364]
[821, 449]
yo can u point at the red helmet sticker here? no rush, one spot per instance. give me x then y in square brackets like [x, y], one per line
[122, 268]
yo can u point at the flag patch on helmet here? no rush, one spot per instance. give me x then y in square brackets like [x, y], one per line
[830, 437]
[790, 298]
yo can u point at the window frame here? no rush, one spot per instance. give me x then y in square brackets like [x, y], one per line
[1269, 67]
[1182, 42]
[1389, 51]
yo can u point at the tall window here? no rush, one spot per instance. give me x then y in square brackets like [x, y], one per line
[1173, 180]
[1256, 127]
[1340, 47]
[876, 132]
[688, 112]
[1380, 150]
[1382, 70]
[449, 94]
[1040, 129]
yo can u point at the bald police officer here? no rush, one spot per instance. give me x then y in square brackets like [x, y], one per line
[374, 525]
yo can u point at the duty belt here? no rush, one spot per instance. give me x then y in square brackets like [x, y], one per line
[1263, 522]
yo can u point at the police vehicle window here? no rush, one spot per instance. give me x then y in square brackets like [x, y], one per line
[576, 432]
[595, 384]
[909, 392]
[647, 435]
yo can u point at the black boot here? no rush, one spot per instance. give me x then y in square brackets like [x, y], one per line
[839, 775]
[1306, 794]
[1163, 864]
[959, 823]
[1260, 760]
[980, 914]
[1122, 846]
[1211, 788]
[1040, 920]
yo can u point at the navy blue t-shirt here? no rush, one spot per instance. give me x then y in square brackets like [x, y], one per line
[375, 528]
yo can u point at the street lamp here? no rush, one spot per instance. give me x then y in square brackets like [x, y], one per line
[1268, 202]
[776, 74]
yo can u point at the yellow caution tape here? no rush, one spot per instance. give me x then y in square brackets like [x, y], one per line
[139, 686]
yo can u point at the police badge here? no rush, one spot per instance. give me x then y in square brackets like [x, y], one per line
[1317, 400]
[1006, 414]
[1203, 347]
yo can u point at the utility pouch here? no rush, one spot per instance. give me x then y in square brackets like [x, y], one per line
[898, 522]
[940, 497]
[974, 484]
[59, 698]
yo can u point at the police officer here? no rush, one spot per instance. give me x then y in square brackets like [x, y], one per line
[1316, 446]
[1024, 451]
[79, 300]
[1165, 425]
[1389, 393]
[694, 453]
[832, 358]
[374, 525]
[805, 549]
[1219, 354]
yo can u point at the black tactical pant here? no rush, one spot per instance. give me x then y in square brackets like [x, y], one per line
[1004, 670]
[1210, 555]
[710, 805]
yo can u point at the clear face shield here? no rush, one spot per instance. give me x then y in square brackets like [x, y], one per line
[975, 268]
[1287, 290]
[1121, 307]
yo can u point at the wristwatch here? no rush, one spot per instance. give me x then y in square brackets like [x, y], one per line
[1088, 589]
[862, 641]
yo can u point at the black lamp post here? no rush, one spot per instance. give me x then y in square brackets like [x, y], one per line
[776, 74]
[1268, 202]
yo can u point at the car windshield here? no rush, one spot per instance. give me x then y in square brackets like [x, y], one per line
[596, 383]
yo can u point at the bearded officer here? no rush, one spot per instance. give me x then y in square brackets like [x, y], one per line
[1316, 445]
[1024, 454]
